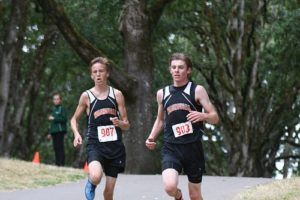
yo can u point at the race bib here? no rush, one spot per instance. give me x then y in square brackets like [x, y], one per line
[182, 129]
[107, 133]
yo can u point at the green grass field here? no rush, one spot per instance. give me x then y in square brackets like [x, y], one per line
[287, 189]
[17, 174]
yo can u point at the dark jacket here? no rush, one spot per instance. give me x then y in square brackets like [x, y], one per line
[59, 123]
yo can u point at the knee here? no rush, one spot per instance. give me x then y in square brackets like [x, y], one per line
[95, 178]
[171, 189]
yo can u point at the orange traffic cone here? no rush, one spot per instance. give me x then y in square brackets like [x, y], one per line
[36, 158]
[86, 167]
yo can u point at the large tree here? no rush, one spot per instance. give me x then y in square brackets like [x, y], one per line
[137, 23]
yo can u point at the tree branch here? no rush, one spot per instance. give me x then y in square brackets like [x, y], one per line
[156, 10]
[10, 50]
[215, 34]
[287, 157]
[83, 48]
[287, 100]
[292, 142]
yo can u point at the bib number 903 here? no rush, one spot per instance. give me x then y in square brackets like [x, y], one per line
[182, 129]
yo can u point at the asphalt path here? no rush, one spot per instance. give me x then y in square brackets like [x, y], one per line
[140, 187]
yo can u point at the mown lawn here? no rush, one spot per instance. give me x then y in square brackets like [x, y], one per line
[18, 174]
[287, 189]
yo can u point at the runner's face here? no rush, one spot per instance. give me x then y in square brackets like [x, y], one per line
[99, 73]
[179, 71]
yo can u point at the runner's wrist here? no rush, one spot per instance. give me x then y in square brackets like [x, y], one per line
[124, 125]
[76, 134]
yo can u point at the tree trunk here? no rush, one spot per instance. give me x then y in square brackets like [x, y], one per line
[26, 90]
[245, 157]
[13, 43]
[137, 25]
[237, 49]
[139, 62]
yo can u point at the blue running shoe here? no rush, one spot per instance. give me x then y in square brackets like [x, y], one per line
[90, 190]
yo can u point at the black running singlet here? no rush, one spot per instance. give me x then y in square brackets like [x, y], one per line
[177, 103]
[98, 120]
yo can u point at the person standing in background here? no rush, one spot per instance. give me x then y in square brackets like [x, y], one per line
[58, 129]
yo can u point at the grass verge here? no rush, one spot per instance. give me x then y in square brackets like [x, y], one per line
[17, 174]
[286, 189]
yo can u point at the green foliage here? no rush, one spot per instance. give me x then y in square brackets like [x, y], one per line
[199, 28]
[98, 22]
[281, 62]
[183, 27]
[64, 72]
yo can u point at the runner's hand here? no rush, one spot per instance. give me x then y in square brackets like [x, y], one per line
[77, 140]
[116, 122]
[195, 116]
[150, 144]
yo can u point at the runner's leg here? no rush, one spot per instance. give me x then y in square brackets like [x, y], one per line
[95, 172]
[195, 191]
[95, 175]
[109, 188]
[170, 181]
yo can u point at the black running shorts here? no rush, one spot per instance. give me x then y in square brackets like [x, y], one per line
[187, 157]
[111, 166]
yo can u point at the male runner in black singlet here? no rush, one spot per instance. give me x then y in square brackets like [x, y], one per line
[180, 113]
[106, 118]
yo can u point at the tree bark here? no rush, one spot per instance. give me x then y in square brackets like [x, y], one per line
[244, 159]
[137, 25]
[12, 47]
[136, 32]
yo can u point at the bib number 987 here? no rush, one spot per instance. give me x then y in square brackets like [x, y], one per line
[107, 133]
[182, 129]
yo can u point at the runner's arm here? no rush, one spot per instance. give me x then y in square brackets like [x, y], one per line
[81, 107]
[123, 122]
[158, 124]
[209, 115]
